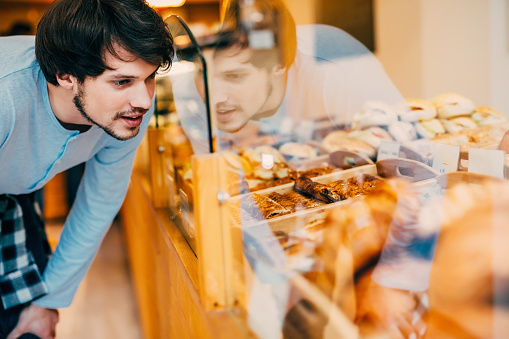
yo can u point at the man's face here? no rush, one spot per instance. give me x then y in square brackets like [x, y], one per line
[117, 99]
[240, 91]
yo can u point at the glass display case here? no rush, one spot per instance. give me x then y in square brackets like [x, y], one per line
[321, 202]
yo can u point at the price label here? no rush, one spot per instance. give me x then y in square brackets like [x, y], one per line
[388, 150]
[486, 161]
[446, 158]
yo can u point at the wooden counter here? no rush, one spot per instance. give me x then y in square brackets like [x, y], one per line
[165, 274]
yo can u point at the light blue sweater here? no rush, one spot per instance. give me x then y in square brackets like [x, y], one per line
[34, 147]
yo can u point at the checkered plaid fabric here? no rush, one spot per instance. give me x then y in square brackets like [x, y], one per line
[20, 279]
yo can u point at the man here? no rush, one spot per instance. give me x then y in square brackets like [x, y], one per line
[82, 93]
[286, 80]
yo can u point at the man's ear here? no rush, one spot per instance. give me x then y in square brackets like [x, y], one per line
[279, 70]
[66, 81]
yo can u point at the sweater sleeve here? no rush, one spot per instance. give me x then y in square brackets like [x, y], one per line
[99, 198]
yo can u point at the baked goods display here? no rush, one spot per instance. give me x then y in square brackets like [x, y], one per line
[488, 136]
[449, 116]
[302, 195]
[262, 167]
[452, 113]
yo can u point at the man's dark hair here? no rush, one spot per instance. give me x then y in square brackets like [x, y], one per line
[73, 36]
[275, 18]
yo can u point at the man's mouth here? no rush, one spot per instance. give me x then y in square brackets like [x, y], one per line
[133, 120]
[225, 114]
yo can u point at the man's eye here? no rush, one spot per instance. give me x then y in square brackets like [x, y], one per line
[120, 83]
[234, 76]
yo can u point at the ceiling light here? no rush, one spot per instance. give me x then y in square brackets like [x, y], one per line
[166, 3]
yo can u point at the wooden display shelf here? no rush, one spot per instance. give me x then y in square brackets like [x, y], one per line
[165, 271]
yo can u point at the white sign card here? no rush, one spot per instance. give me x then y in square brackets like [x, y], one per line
[388, 150]
[446, 158]
[487, 161]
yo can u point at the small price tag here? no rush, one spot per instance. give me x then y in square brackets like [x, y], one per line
[388, 150]
[446, 158]
[486, 161]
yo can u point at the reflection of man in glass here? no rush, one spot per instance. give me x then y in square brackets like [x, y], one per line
[284, 78]
[243, 91]
[250, 83]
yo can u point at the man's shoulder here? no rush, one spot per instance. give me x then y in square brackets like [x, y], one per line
[328, 42]
[16, 53]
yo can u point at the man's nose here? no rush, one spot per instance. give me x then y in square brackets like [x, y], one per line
[142, 97]
[218, 95]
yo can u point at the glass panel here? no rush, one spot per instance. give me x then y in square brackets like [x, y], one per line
[173, 133]
[354, 223]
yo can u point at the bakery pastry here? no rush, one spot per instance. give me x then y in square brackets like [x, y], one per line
[297, 151]
[417, 109]
[429, 128]
[470, 287]
[315, 172]
[346, 189]
[458, 124]
[355, 186]
[353, 235]
[487, 116]
[374, 113]
[451, 105]
[294, 201]
[320, 191]
[484, 136]
[332, 144]
[372, 136]
[262, 207]
[402, 131]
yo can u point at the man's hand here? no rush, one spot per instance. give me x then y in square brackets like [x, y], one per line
[36, 320]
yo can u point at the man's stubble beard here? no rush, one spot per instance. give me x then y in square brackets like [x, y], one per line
[78, 102]
[260, 114]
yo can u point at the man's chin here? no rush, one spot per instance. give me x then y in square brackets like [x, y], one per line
[231, 127]
[125, 135]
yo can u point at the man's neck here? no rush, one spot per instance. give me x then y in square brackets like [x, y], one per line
[75, 127]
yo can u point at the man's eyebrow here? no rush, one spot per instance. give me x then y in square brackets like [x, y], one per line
[236, 70]
[122, 76]
[125, 76]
